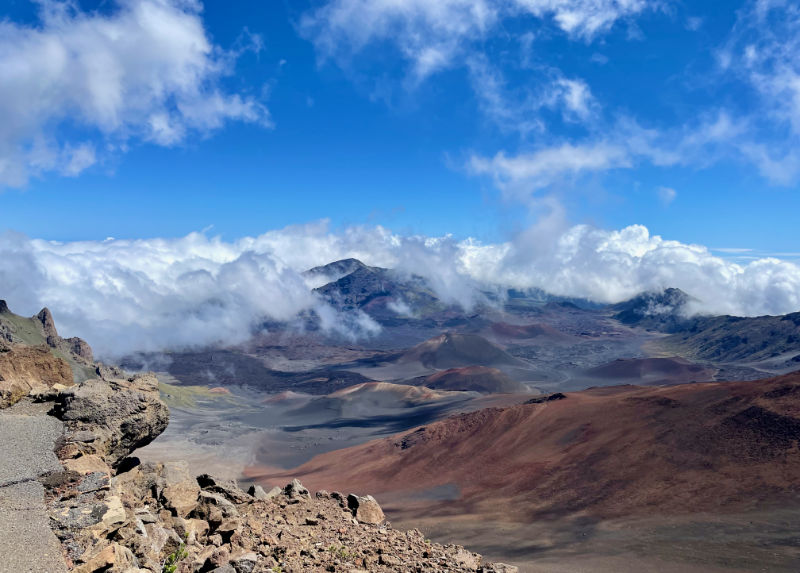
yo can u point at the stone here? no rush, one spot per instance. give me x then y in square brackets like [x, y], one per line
[115, 512]
[125, 414]
[258, 492]
[466, 558]
[227, 488]
[94, 481]
[180, 492]
[87, 464]
[115, 557]
[296, 490]
[82, 436]
[245, 563]
[365, 509]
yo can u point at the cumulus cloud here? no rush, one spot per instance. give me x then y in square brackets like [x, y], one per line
[144, 295]
[77, 81]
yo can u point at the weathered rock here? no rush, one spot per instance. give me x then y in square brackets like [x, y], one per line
[180, 491]
[30, 368]
[228, 488]
[115, 557]
[245, 563]
[87, 464]
[124, 414]
[296, 490]
[115, 512]
[365, 509]
[258, 492]
[45, 317]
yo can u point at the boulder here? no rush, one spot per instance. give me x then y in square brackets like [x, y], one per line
[180, 490]
[365, 509]
[123, 414]
[87, 464]
[296, 490]
[115, 557]
[258, 492]
[228, 488]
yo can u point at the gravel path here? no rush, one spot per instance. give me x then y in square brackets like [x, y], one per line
[27, 438]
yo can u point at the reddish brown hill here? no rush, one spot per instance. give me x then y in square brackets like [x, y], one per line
[474, 379]
[609, 451]
[652, 371]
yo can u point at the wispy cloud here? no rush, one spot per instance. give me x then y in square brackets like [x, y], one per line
[145, 71]
[667, 195]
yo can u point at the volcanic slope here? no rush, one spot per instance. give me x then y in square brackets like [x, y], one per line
[615, 451]
[473, 379]
[648, 372]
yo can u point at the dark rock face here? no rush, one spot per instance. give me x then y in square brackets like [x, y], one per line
[546, 398]
[48, 324]
[660, 311]
[123, 414]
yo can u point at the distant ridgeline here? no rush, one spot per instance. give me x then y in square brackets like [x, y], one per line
[33, 357]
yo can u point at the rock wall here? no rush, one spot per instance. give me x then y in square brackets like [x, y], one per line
[25, 370]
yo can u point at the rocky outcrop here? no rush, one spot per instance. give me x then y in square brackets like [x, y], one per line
[26, 369]
[34, 338]
[122, 414]
[155, 517]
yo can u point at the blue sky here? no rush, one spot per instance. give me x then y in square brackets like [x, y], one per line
[462, 118]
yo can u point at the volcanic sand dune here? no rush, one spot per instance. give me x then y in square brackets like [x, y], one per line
[650, 371]
[614, 451]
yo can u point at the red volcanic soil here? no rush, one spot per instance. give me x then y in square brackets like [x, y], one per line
[652, 371]
[474, 379]
[527, 331]
[219, 390]
[611, 451]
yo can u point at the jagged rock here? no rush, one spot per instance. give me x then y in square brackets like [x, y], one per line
[180, 490]
[124, 414]
[296, 490]
[48, 326]
[79, 347]
[227, 488]
[245, 563]
[115, 557]
[258, 492]
[365, 509]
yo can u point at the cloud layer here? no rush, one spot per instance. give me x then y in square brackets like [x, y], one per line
[145, 295]
[80, 84]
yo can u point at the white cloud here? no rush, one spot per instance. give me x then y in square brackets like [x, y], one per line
[146, 70]
[525, 173]
[432, 36]
[667, 195]
[124, 296]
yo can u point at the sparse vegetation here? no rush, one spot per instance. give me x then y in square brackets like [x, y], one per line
[173, 559]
